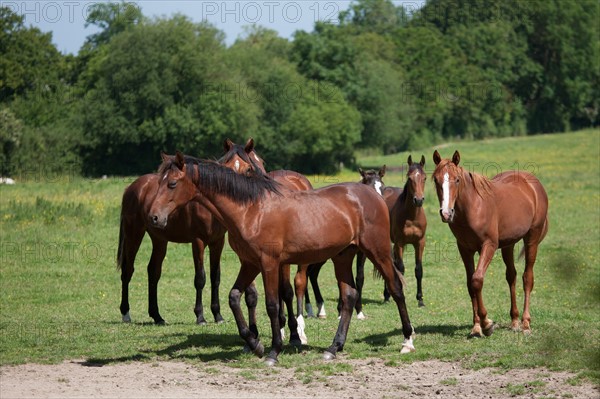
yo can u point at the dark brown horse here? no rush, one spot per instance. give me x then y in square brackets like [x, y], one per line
[192, 223]
[408, 222]
[487, 214]
[270, 226]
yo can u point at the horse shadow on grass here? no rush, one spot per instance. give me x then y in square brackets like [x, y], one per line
[382, 339]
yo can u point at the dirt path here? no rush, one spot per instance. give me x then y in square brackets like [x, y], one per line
[369, 379]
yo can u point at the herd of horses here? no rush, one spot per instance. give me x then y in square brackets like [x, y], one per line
[276, 219]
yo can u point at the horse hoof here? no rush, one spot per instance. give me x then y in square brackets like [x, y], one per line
[474, 335]
[201, 322]
[160, 322]
[421, 304]
[489, 330]
[259, 351]
[126, 318]
[270, 362]
[219, 320]
[246, 349]
[328, 356]
[296, 342]
[527, 332]
[361, 316]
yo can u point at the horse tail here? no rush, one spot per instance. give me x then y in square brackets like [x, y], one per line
[378, 276]
[542, 236]
[121, 249]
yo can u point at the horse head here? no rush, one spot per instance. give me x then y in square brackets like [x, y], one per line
[415, 181]
[242, 159]
[447, 178]
[373, 178]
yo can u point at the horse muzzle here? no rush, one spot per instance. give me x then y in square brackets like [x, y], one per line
[418, 201]
[157, 221]
[447, 215]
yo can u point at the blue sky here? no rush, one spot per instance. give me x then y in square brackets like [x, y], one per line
[66, 18]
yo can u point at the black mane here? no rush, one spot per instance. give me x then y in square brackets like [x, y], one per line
[211, 177]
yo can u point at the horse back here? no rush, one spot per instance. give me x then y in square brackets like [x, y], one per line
[290, 179]
[521, 200]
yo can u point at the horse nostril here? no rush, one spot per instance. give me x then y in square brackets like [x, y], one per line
[154, 219]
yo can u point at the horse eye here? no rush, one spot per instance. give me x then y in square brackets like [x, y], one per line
[457, 180]
[172, 184]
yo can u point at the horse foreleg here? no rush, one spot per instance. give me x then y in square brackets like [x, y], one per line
[245, 277]
[397, 253]
[271, 282]
[348, 294]
[251, 297]
[159, 250]
[467, 258]
[313, 275]
[130, 240]
[199, 279]
[419, 248]
[216, 249]
[485, 257]
[511, 279]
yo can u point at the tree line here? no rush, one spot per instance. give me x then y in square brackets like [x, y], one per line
[382, 78]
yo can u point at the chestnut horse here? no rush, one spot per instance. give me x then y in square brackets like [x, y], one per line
[408, 222]
[190, 224]
[270, 226]
[487, 214]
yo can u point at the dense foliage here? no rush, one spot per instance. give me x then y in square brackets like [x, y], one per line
[383, 78]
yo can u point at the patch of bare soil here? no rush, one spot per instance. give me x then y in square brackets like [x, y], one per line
[369, 379]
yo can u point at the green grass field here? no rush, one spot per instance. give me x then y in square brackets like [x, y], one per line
[60, 290]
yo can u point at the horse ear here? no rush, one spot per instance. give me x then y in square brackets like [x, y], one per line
[456, 158]
[164, 156]
[409, 160]
[362, 172]
[437, 158]
[179, 160]
[422, 160]
[249, 146]
[382, 172]
[227, 145]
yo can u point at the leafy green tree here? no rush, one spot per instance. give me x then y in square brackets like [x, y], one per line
[112, 19]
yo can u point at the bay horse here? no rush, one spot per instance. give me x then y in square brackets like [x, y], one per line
[293, 181]
[193, 224]
[270, 226]
[487, 214]
[408, 222]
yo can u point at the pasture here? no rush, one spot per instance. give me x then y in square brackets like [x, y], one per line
[60, 290]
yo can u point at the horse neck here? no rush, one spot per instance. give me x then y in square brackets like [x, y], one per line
[468, 198]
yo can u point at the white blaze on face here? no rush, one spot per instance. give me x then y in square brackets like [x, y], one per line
[256, 157]
[446, 193]
[237, 166]
[378, 185]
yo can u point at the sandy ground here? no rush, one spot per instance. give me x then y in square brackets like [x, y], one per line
[369, 379]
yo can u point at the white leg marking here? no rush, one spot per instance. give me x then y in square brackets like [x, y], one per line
[322, 314]
[361, 316]
[282, 333]
[407, 346]
[301, 331]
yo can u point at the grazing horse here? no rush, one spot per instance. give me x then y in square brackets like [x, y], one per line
[487, 214]
[407, 218]
[270, 226]
[190, 224]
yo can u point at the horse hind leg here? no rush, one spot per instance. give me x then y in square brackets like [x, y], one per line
[313, 275]
[360, 281]
[530, 257]
[216, 249]
[245, 277]
[511, 279]
[199, 279]
[130, 240]
[287, 296]
[419, 248]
